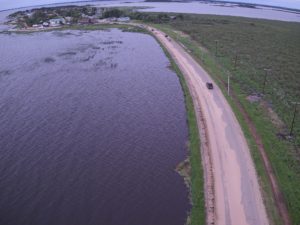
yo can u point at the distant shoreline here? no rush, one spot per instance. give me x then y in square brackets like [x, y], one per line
[46, 5]
[202, 7]
[238, 4]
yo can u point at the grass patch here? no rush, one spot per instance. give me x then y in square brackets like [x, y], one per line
[91, 27]
[197, 214]
[257, 44]
[123, 27]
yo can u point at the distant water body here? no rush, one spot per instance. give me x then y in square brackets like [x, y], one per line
[176, 7]
[11, 4]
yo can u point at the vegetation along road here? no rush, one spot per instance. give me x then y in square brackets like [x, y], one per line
[235, 194]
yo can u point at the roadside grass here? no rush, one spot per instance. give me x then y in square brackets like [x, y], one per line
[197, 214]
[123, 27]
[283, 155]
[258, 45]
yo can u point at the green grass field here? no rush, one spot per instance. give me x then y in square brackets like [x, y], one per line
[197, 214]
[258, 44]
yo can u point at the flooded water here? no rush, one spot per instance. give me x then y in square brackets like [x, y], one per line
[93, 125]
[222, 9]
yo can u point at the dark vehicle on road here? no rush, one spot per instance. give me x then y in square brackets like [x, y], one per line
[209, 85]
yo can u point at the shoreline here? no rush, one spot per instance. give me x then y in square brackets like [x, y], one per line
[235, 3]
[257, 12]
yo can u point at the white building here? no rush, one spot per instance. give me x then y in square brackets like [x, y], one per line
[57, 22]
[68, 19]
[99, 12]
[45, 24]
[123, 19]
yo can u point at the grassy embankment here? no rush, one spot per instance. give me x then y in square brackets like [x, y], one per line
[258, 44]
[91, 27]
[197, 214]
[195, 179]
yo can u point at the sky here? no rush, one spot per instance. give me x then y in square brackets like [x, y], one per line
[10, 4]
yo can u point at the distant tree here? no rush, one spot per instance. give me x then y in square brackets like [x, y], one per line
[112, 13]
[37, 17]
[180, 16]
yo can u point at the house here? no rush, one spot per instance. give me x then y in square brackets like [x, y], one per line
[68, 19]
[103, 21]
[112, 19]
[29, 14]
[95, 20]
[99, 12]
[45, 24]
[85, 20]
[57, 22]
[123, 19]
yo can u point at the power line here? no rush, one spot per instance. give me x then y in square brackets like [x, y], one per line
[294, 116]
[265, 79]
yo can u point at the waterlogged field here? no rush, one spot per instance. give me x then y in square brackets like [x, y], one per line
[93, 125]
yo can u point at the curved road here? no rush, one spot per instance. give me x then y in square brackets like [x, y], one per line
[236, 193]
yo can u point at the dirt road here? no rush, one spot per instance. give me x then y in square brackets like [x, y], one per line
[235, 196]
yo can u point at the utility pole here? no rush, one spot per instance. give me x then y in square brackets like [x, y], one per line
[293, 121]
[265, 79]
[217, 42]
[235, 60]
[203, 56]
[228, 85]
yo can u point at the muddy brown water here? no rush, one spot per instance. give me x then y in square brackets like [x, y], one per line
[93, 125]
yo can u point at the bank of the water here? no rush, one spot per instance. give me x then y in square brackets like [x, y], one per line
[196, 179]
[92, 27]
[197, 214]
